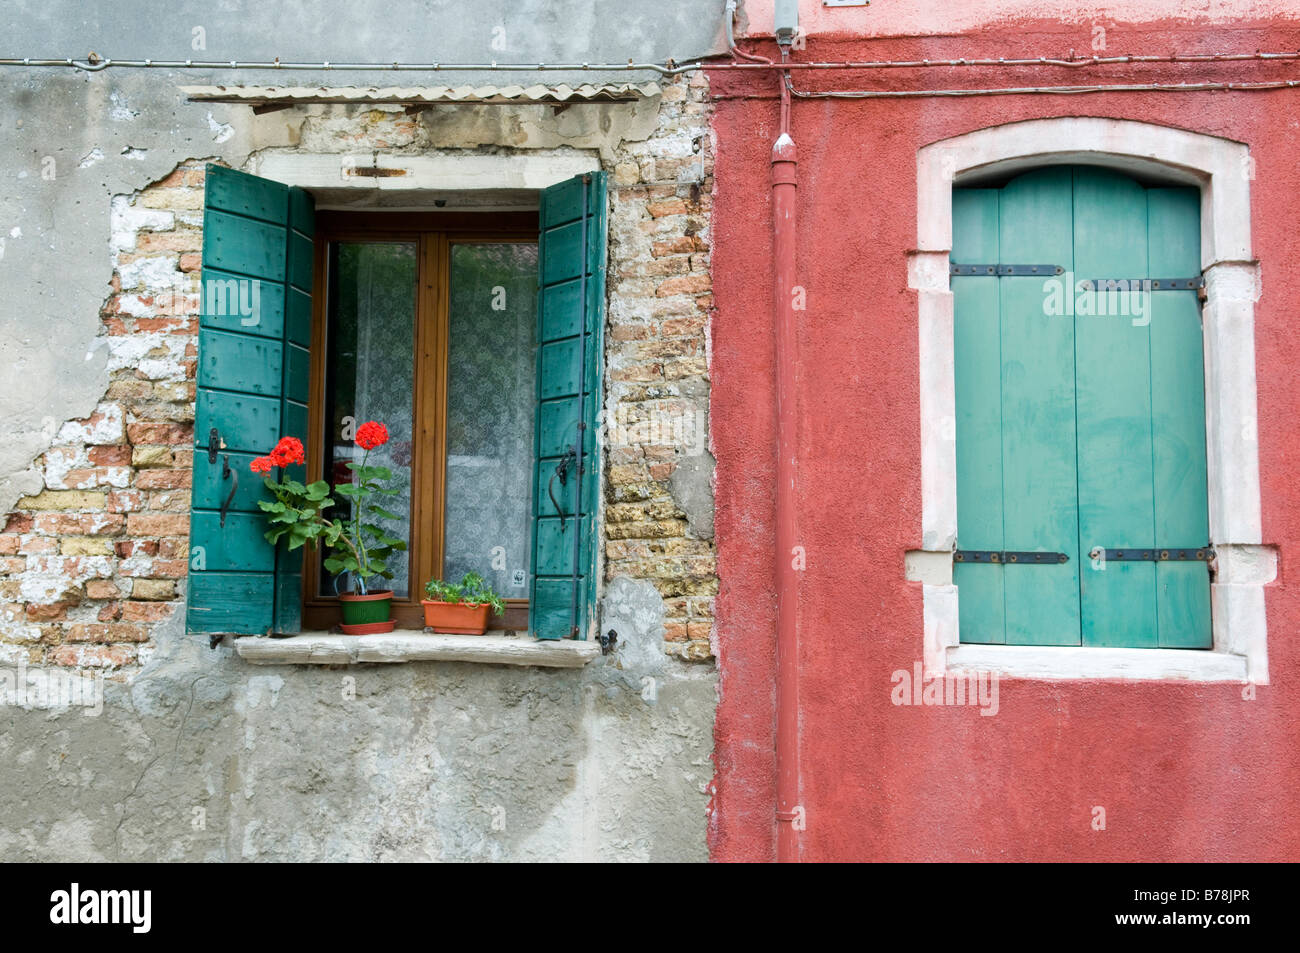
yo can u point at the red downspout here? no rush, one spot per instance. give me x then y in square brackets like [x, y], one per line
[784, 208]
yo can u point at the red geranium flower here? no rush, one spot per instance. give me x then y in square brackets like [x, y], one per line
[371, 434]
[288, 451]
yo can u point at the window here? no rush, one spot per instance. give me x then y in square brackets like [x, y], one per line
[476, 339]
[1082, 500]
[1244, 564]
[429, 325]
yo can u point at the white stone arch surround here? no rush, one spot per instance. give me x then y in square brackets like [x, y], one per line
[1223, 171]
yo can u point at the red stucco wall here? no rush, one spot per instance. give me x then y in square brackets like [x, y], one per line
[1184, 771]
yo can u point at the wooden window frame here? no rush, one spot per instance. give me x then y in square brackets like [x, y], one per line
[433, 234]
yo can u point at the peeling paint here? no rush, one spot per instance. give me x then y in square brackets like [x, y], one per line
[221, 131]
[120, 112]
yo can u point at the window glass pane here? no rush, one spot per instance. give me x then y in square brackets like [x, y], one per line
[490, 413]
[370, 375]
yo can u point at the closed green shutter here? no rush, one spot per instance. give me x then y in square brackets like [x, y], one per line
[571, 296]
[1079, 431]
[253, 381]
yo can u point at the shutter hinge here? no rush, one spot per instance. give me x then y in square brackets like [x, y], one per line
[1089, 284]
[1204, 554]
[1006, 270]
[1143, 284]
[1007, 556]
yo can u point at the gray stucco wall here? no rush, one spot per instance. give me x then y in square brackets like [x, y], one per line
[205, 758]
[199, 756]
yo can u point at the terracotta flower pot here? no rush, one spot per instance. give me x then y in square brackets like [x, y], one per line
[459, 618]
[368, 614]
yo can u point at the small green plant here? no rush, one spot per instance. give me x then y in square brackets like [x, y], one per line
[472, 589]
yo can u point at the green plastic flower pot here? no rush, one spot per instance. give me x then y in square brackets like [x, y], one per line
[372, 609]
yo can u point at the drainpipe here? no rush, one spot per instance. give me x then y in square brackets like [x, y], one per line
[784, 208]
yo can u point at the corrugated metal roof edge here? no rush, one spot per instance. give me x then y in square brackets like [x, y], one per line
[538, 93]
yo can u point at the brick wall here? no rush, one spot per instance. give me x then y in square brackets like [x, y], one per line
[657, 372]
[93, 561]
[90, 564]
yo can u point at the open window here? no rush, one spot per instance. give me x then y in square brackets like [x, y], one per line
[475, 338]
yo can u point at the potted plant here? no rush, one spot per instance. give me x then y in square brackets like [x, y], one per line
[355, 547]
[362, 549]
[462, 608]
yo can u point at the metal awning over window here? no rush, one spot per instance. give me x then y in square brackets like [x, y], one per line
[261, 97]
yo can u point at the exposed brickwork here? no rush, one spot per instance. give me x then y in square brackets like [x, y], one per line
[91, 564]
[657, 361]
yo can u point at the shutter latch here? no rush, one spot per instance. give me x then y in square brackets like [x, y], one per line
[561, 471]
[228, 474]
[216, 444]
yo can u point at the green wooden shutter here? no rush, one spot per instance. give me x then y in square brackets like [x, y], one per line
[1076, 431]
[253, 380]
[1014, 380]
[1178, 418]
[1141, 412]
[570, 309]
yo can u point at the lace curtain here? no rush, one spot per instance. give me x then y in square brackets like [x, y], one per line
[373, 376]
[490, 413]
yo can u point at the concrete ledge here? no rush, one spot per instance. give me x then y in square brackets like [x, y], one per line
[323, 648]
[418, 172]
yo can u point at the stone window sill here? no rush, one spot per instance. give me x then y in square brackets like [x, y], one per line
[325, 648]
[1027, 661]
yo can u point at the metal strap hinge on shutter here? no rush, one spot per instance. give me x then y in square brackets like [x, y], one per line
[1204, 554]
[1143, 284]
[1006, 270]
[1009, 556]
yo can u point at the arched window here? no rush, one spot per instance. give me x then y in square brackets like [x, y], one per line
[1137, 195]
[1082, 508]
